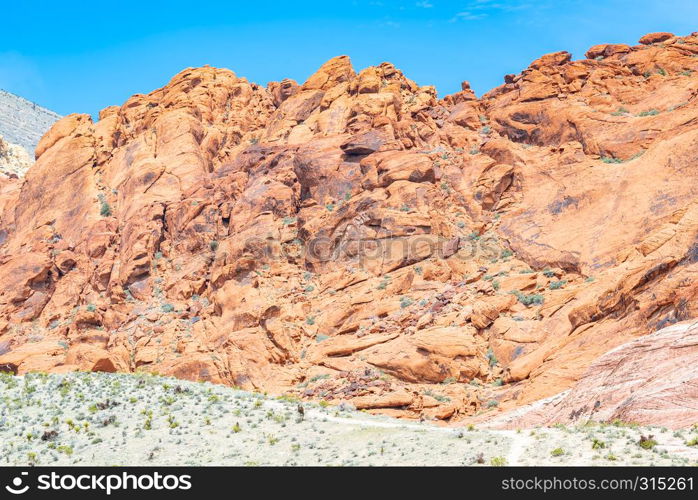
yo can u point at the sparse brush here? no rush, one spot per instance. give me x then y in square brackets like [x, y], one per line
[647, 442]
[597, 444]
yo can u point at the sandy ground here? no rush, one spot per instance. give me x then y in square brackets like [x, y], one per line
[118, 419]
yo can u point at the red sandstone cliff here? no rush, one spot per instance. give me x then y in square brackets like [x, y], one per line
[355, 238]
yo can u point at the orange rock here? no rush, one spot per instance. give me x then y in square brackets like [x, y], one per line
[217, 230]
[651, 38]
[606, 50]
[91, 358]
[390, 400]
[634, 383]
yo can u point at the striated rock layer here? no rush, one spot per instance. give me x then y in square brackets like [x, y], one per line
[23, 122]
[357, 239]
[652, 379]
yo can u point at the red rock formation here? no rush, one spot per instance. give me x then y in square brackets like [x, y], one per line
[652, 380]
[356, 238]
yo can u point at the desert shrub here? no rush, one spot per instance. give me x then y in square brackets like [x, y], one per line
[556, 285]
[105, 209]
[597, 444]
[439, 397]
[529, 299]
[647, 442]
[491, 358]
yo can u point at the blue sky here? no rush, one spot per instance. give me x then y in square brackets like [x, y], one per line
[78, 57]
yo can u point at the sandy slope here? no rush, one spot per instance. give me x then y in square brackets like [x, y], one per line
[109, 419]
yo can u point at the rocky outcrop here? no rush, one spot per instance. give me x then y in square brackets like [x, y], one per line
[23, 122]
[652, 380]
[357, 239]
[14, 160]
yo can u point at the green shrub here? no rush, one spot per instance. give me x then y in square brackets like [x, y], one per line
[439, 397]
[556, 285]
[530, 299]
[105, 209]
[647, 442]
[491, 358]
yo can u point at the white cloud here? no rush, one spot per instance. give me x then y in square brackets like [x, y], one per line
[468, 16]
[479, 9]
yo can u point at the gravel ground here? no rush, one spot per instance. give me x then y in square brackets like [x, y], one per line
[120, 419]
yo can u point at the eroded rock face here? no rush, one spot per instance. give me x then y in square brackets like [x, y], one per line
[648, 381]
[14, 159]
[355, 238]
